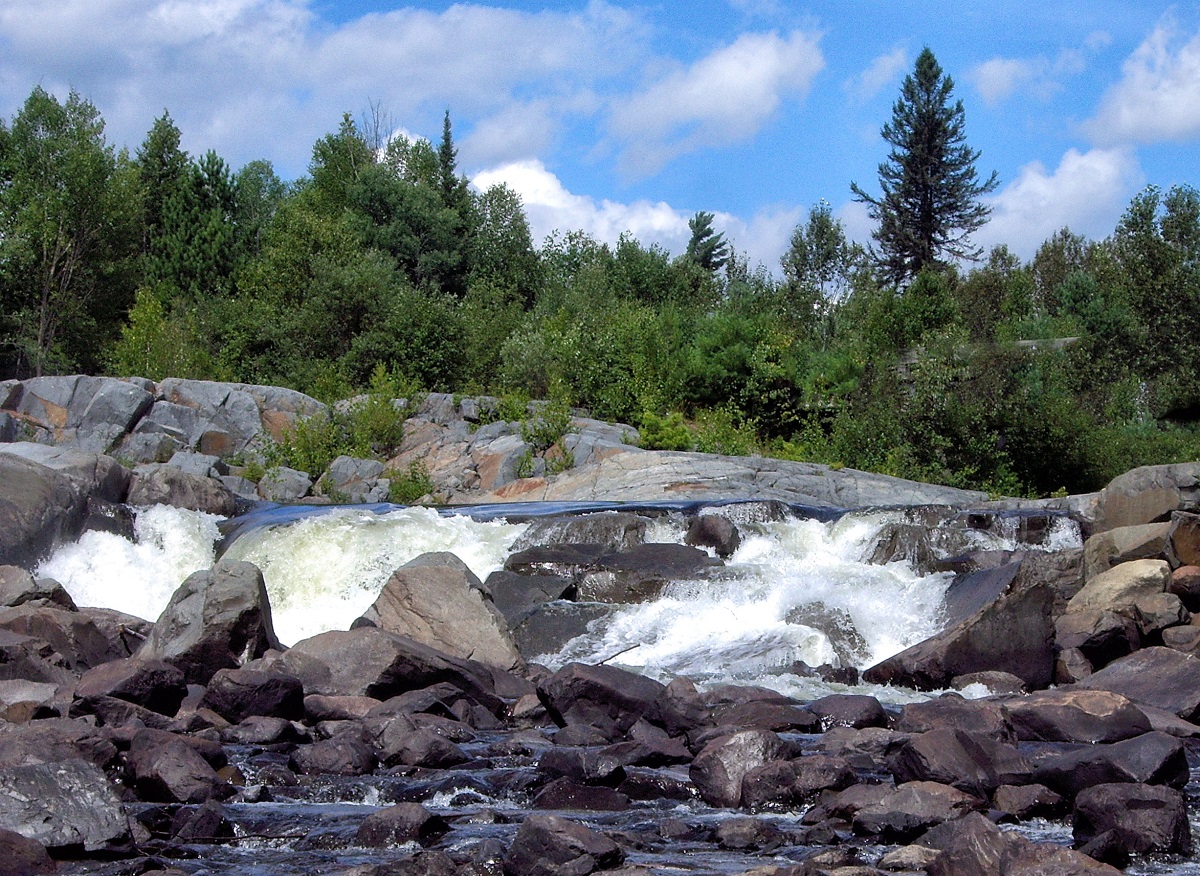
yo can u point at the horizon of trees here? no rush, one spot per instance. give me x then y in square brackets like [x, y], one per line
[160, 263]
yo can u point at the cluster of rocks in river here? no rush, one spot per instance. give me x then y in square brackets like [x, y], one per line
[130, 746]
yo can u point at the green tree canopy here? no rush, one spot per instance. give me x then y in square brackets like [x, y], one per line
[930, 202]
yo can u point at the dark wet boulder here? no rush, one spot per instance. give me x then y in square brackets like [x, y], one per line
[21, 856]
[1160, 677]
[867, 748]
[746, 834]
[548, 845]
[1075, 715]
[908, 810]
[849, 710]
[716, 532]
[971, 763]
[1099, 634]
[375, 663]
[984, 718]
[973, 846]
[606, 697]
[342, 755]
[152, 684]
[18, 587]
[719, 769]
[518, 596]
[1153, 758]
[1022, 802]
[77, 641]
[216, 619]
[63, 804]
[790, 783]
[1138, 818]
[614, 530]
[1000, 620]
[549, 626]
[164, 768]
[236, 694]
[781, 717]
[55, 739]
[641, 573]
[420, 748]
[39, 509]
[399, 824]
[567, 794]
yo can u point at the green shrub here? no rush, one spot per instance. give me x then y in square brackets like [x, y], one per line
[407, 486]
[669, 432]
[547, 426]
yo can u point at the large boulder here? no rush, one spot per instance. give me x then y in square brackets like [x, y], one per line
[1154, 758]
[162, 484]
[98, 476]
[371, 662]
[216, 619]
[1161, 677]
[973, 846]
[605, 697]
[1002, 622]
[39, 508]
[1122, 585]
[63, 804]
[75, 639]
[719, 770]
[906, 811]
[1146, 494]
[971, 763]
[1142, 818]
[1076, 715]
[548, 845]
[438, 601]
[152, 684]
[231, 417]
[83, 413]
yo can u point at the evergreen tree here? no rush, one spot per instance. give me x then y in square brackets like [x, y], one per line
[162, 168]
[929, 205]
[706, 247]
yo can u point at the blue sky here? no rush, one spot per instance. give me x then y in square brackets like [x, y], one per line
[610, 116]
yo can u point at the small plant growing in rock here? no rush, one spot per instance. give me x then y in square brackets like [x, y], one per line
[407, 486]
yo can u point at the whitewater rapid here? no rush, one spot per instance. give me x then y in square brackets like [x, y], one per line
[794, 591]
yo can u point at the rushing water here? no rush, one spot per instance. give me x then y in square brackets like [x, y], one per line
[795, 590]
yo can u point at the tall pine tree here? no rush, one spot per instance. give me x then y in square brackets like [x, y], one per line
[930, 202]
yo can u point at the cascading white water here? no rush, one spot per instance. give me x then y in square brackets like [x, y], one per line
[796, 590]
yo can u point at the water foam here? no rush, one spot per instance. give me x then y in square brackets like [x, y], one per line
[794, 591]
[322, 572]
[137, 577]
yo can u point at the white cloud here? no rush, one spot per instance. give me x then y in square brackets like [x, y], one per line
[725, 97]
[998, 78]
[1158, 97]
[267, 77]
[881, 72]
[551, 207]
[1086, 193]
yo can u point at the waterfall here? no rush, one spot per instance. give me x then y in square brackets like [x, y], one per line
[795, 590]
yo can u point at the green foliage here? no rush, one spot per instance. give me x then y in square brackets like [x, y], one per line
[371, 425]
[156, 345]
[669, 432]
[930, 202]
[69, 214]
[546, 425]
[410, 485]
[706, 247]
[722, 430]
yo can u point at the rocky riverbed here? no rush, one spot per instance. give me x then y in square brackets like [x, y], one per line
[423, 740]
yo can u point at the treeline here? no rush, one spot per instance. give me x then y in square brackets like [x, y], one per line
[382, 260]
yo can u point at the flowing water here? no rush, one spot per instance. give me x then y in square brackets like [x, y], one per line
[795, 590]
